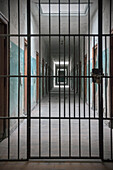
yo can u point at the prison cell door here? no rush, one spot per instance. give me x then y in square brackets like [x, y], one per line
[3, 81]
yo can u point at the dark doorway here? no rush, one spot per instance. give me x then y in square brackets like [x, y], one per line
[25, 73]
[4, 66]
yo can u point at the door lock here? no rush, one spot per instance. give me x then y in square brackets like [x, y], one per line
[96, 75]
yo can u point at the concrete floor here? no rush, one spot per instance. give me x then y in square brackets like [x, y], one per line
[44, 125]
[55, 166]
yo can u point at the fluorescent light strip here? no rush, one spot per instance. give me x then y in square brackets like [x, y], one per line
[67, 86]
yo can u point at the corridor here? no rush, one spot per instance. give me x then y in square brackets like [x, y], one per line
[56, 80]
[64, 131]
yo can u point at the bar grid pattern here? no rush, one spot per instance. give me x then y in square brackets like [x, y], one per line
[78, 115]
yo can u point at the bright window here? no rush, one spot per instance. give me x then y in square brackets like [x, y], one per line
[64, 9]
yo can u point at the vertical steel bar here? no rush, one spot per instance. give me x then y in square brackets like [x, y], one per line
[84, 72]
[79, 77]
[18, 77]
[94, 68]
[111, 81]
[59, 91]
[105, 78]
[74, 76]
[64, 79]
[9, 81]
[89, 75]
[101, 85]
[69, 87]
[49, 79]
[39, 79]
[105, 92]
[28, 77]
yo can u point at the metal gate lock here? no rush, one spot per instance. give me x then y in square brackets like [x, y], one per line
[96, 75]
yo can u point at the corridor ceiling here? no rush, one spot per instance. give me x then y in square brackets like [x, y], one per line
[64, 27]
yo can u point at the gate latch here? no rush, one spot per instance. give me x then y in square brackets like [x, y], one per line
[96, 75]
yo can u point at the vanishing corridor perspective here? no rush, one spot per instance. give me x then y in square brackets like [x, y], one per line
[56, 79]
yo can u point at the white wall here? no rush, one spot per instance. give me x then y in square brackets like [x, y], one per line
[23, 28]
[106, 30]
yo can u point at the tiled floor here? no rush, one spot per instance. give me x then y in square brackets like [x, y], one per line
[83, 134]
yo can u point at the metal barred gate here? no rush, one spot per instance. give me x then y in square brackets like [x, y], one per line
[67, 87]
